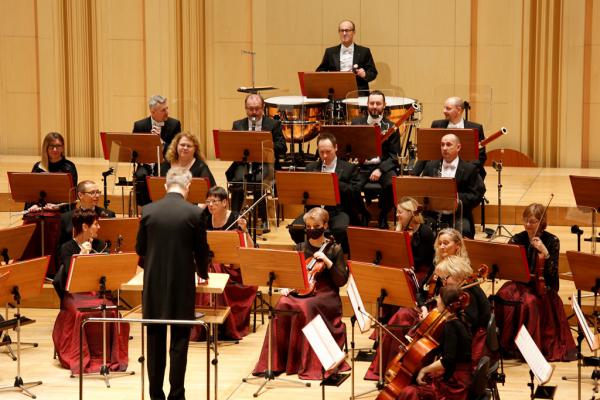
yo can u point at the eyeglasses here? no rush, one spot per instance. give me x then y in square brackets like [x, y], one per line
[185, 145]
[211, 202]
[94, 193]
[345, 30]
[55, 146]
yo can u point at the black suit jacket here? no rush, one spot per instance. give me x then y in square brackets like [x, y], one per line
[279, 144]
[362, 57]
[171, 128]
[469, 184]
[443, 123]
[389, 149]
[348, 182]
[172, 241]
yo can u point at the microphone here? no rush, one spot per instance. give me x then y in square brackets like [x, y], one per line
[108, 172]
[575, 229]
[466, 105]
[253, 123]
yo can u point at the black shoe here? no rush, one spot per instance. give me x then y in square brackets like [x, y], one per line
[366, 218]
[383, 224]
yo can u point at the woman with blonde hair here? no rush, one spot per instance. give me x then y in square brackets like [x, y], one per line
[184, 152]
[449, 242]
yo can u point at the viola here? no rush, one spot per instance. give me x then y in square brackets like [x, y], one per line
[314, 269]
[474, 279]
[538, 258]
[403, 368]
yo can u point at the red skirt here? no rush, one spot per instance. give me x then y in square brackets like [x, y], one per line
[66, 336]
[455, 388]
[237, 296]
[543, 316]
[291, 352]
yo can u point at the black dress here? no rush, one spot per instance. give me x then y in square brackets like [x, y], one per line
[199, 169]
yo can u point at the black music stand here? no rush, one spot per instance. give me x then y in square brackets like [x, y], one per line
[356, 141]
[197, 193]
[12, 245]
[380, 247]
[139, 148]
[22, 280]
[42, 188]
[429, 139]
[279, 268]
[248, 147]
[119, 233]
[102, 273]
[377, 284]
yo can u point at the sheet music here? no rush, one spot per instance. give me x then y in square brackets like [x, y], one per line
[591, 339]
[364, 323]
[533, 356]
[327, 350]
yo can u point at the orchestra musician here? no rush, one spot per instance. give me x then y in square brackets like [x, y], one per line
[253, 173]
[291, 352]
[65, 334]
[235, 295]
[541, 313]
[158, 123]
[184, 152]
[453, 118]
[348, 56]
[342, 215]
[380, 169]
[448, 377]
[469, 184]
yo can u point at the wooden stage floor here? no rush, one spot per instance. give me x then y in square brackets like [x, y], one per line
[520, 187]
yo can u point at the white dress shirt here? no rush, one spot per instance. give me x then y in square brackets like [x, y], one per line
[346, 57]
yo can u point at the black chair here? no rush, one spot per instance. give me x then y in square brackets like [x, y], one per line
[493, 347]
[479, 387]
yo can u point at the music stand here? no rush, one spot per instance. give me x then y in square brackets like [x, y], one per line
[332, 85]
[356, 141]
[22, 280]
[120, 232]
[380, 247]
[377, 284]
[139, 148]
[225, 246]
[308, 188]
[429, 140]
[102, 273]
[197, 194]
[585, 190]
[278, 268]
[585, 269]
[12, 245]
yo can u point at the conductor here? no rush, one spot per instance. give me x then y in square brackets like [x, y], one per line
[172, 243]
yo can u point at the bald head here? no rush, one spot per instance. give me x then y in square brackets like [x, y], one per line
[450, 146]
[453, 109]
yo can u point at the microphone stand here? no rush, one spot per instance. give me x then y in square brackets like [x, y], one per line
[498, 231]
[105, 174]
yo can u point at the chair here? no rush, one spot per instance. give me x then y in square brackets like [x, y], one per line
[510, 158]
[493, 346]
[479, 387]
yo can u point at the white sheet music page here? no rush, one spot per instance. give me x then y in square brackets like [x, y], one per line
[590, 338]
[364, 323]
[533, 356]
[327, 350]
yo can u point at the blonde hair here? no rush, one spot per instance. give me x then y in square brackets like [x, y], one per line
[456, 237]
[410, 204]
[317, 214]
[172, 155]
[455, 266]
[48, 139]
[536, 210]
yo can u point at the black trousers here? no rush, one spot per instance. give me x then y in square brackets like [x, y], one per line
[157, 358]
[385, 194]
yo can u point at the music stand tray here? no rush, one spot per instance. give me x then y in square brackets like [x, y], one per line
[246, 146]
[55, 187]
[120, 232]
[429, 140]
[327, 84]
[225, 246]
[308, 188]
[507, 261]
[197, 194]
[356, 141]
[380, 247]
[14, 240]
[435, 194]
[146, 147]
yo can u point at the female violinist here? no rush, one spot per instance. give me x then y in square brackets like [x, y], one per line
[541, 313]
[291, 352]
[448, 242]
[236, 295]
[449, 377]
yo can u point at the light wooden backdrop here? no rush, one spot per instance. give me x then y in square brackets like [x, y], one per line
[84, 66]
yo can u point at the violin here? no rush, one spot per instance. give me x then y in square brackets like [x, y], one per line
[314, 269]
[538, 259]
[411, 358]
[474, 279]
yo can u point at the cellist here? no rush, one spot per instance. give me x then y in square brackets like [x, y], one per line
[541, 313]
[449, 377]
[292, 353]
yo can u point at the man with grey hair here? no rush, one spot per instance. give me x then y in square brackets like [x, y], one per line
[469, 184]
[158, 123]
[453, 113]
[171, 242]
